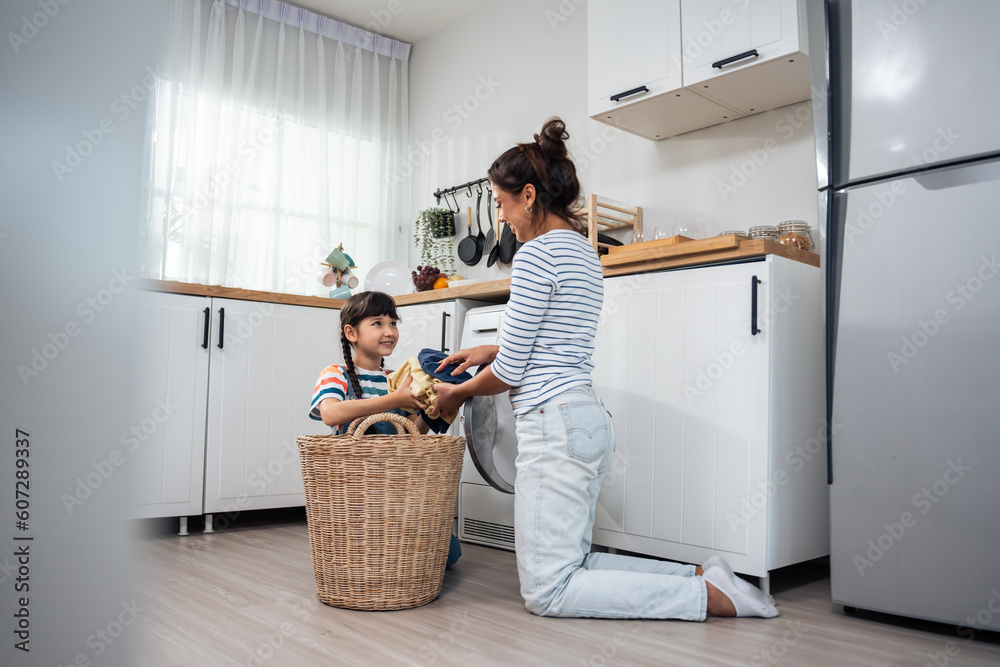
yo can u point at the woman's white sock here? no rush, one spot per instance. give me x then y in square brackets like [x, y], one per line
[746, 604]
[745, 586]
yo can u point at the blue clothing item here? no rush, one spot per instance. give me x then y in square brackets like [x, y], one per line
[454, 551]
[430, 359]
[564, 448]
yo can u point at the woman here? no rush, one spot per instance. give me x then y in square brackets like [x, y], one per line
[565, 436]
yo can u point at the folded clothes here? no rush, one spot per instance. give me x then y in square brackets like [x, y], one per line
[423, 371]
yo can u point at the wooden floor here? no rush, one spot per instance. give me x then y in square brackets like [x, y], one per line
[245, 596]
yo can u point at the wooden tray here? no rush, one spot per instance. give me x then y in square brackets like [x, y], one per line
[672, 247]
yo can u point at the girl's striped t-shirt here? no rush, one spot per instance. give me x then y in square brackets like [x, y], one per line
[547, 340]
[333, 382]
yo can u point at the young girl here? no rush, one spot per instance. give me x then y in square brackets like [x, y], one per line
[368, 334]
[565, 437]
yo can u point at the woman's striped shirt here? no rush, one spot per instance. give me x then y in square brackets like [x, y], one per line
[547, 340]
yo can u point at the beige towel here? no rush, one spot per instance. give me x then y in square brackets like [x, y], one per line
[420, 386]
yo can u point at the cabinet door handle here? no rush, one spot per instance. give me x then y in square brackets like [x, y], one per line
[444, 330]
[222, 324]
[204, 338]
[753, 306]
[752, 53]
[629, 93]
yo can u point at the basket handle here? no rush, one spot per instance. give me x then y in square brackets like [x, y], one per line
[362, 424]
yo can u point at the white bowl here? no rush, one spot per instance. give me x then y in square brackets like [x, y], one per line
[391, 277]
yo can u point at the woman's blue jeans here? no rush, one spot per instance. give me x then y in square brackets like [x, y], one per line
[564, 448]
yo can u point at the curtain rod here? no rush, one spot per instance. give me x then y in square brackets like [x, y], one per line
[447, 191]
[325, 27]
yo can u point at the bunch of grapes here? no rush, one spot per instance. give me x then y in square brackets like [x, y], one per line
[424, 277]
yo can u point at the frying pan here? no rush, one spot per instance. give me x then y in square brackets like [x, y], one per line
[468, 250]
[480, 238]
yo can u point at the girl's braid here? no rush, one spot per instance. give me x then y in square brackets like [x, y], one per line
[352, 373]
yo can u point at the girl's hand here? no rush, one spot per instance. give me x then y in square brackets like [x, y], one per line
[403, 397]
[473, 356]
[449, 397]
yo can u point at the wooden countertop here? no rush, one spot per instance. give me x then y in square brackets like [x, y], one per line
[628, 259]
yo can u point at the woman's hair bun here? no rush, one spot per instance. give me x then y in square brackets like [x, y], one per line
[552, 139]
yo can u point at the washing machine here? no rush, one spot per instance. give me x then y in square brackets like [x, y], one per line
[486, 490]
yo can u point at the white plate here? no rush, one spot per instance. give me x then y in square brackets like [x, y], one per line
[391, 277]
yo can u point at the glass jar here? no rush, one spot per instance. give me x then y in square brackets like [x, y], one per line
[736, 232]
[795, 233]
[768, 232]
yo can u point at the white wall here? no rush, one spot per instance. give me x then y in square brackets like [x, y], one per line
[493, 78]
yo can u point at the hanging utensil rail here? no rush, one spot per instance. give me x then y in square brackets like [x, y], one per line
[478, 183]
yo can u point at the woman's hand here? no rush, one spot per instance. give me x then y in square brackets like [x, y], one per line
[449, 397]
[403, 397]
[473, 356]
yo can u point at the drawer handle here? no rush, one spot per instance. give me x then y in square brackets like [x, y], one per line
[629, 93]
[444, 329]
[204, 339]
[222, 324]
[752, 53]
[753, 306]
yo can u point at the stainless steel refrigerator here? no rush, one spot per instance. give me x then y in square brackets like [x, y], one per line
[907, 109]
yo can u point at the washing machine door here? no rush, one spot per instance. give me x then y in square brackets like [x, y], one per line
[492, 442]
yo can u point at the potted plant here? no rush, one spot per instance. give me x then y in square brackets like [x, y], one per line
[433, 233]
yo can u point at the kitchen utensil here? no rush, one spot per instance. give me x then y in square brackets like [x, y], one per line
[468, 249]
[480, 237]
[508, 245]
[391, 277]
[491, 237]
[494, 254]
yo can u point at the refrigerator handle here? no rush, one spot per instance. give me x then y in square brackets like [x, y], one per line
[444, 330]
[753, 306]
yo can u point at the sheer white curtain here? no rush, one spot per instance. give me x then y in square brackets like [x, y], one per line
[277, 135]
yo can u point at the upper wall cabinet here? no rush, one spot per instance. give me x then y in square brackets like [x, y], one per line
[748, 54]
[659, 68]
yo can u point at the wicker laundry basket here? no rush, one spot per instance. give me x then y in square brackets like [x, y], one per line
[380, 510]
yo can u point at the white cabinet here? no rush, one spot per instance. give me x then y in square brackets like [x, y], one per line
[716, 385]
[224, 390]
[659, 68]
[164, 447]
[261, 382]
[750, 55]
